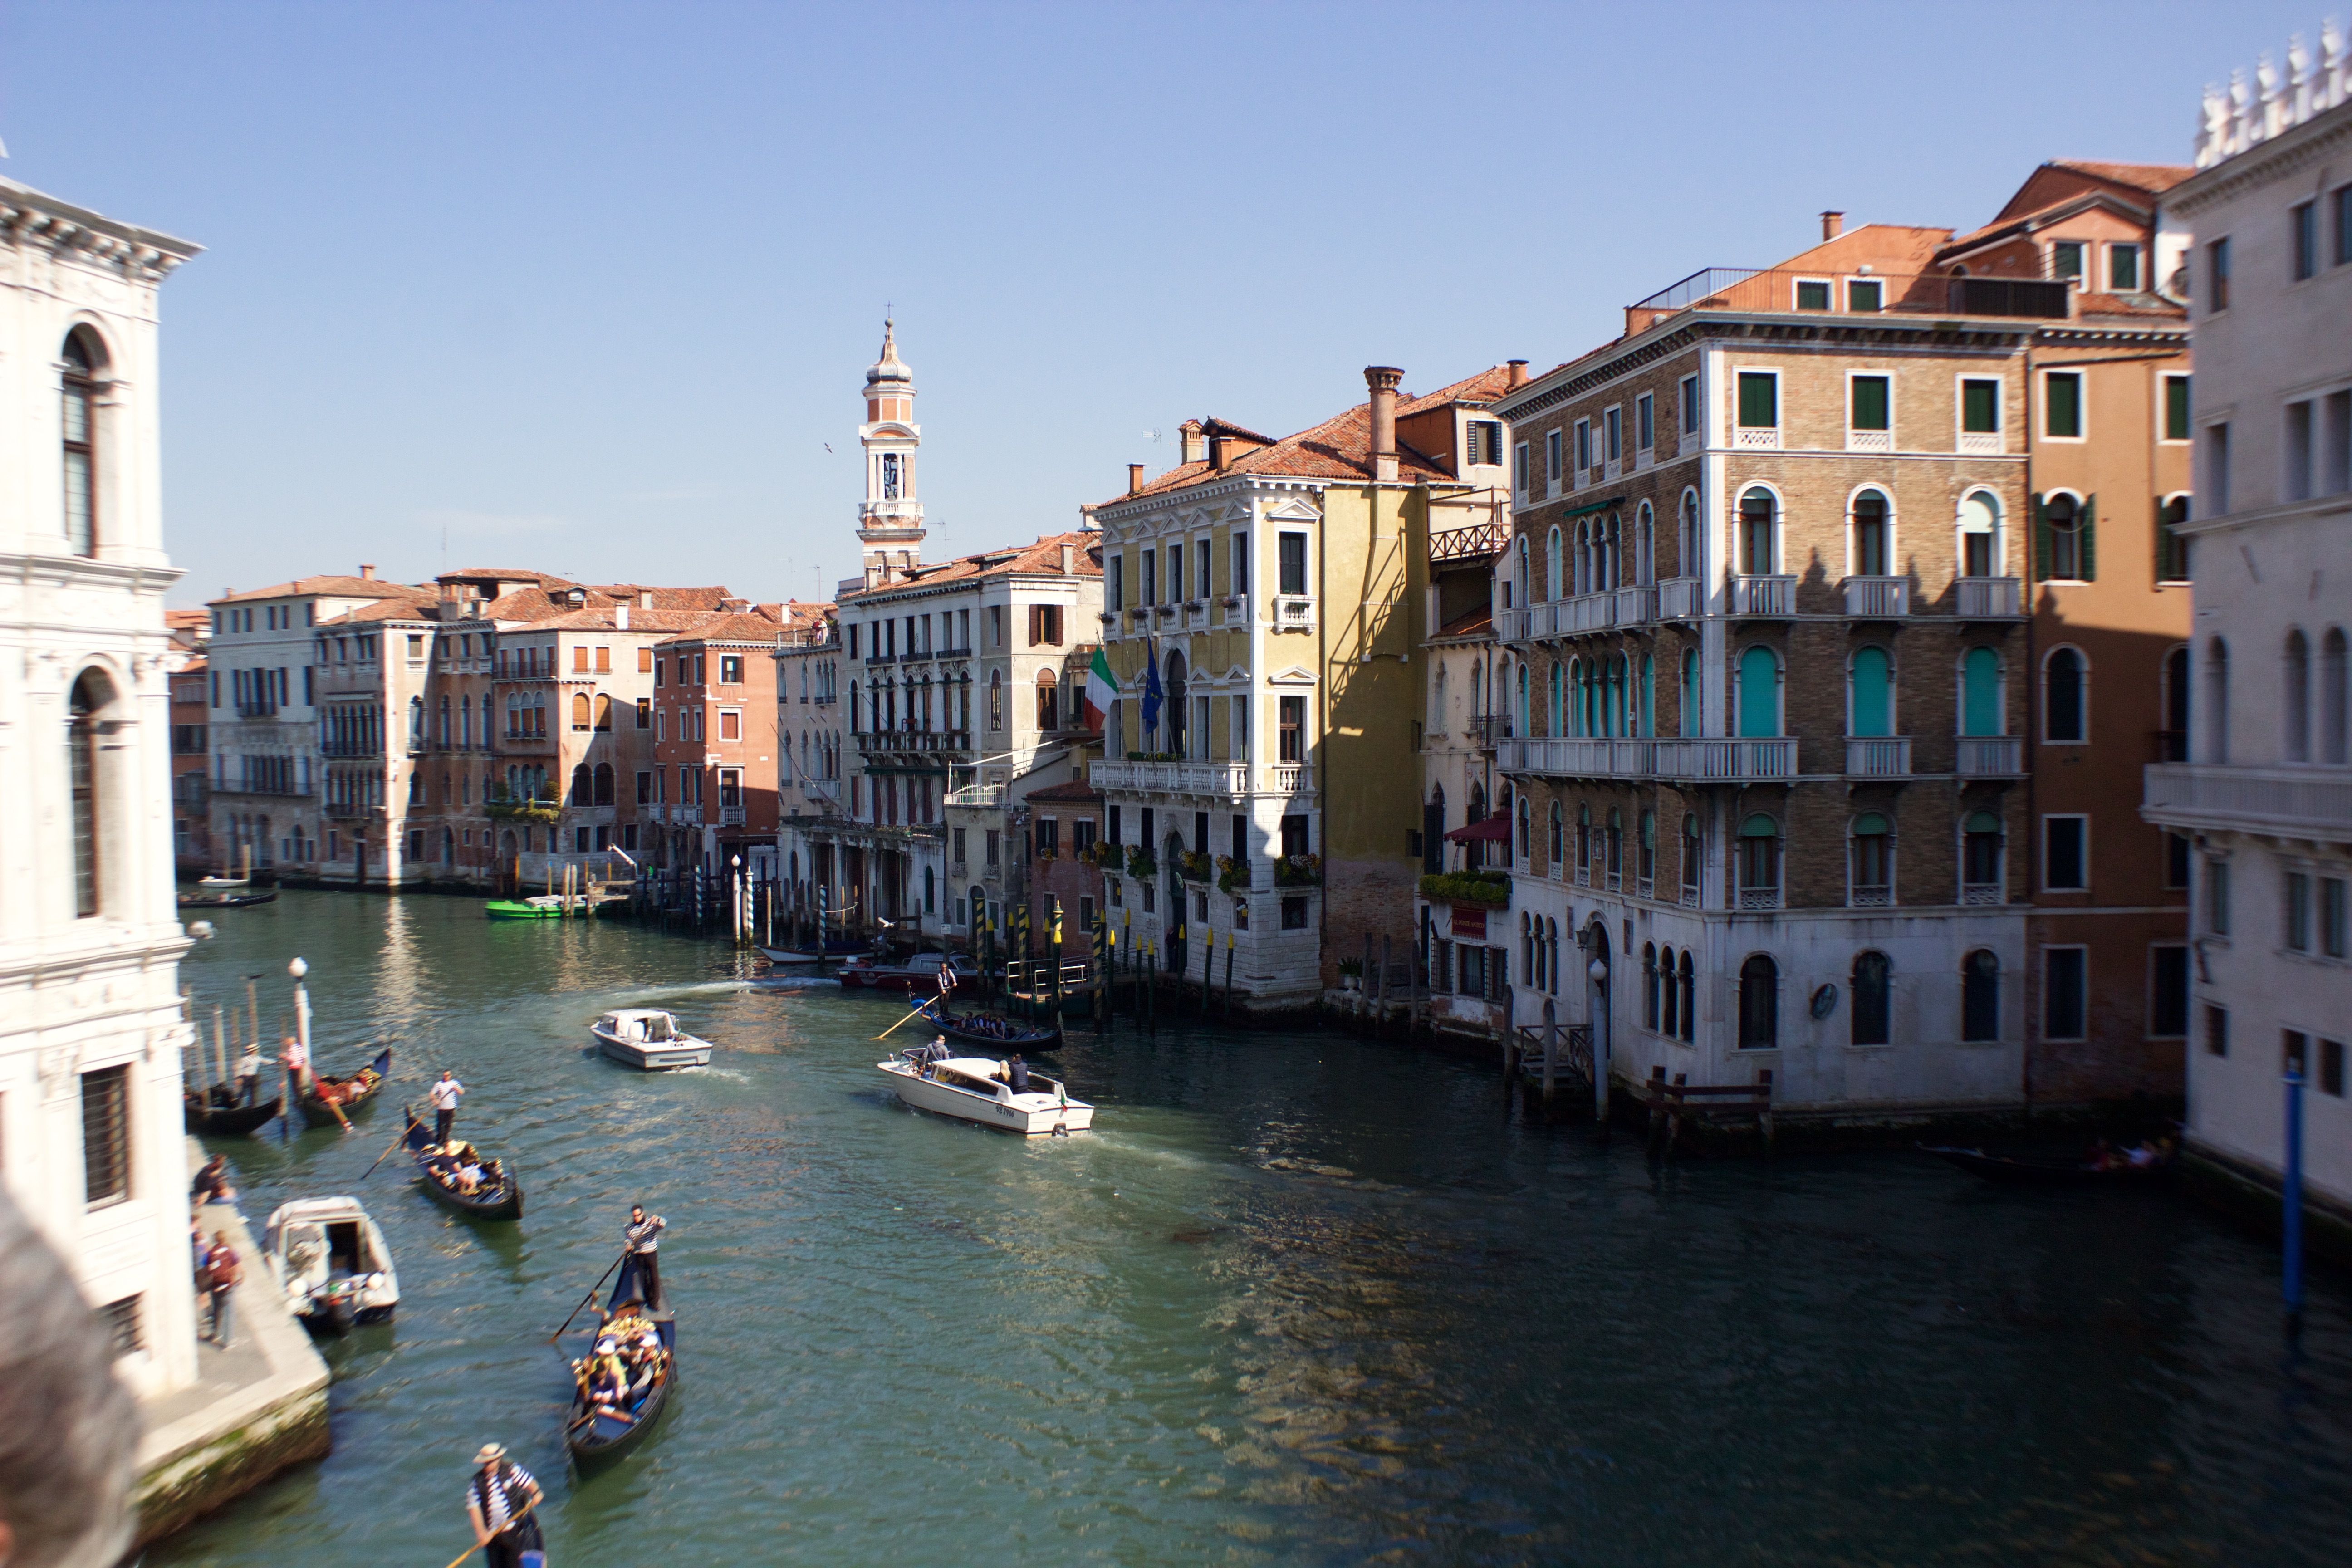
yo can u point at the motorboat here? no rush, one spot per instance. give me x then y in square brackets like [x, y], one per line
[919, 973]
[219, 884]
[971, 1090]
[648, 1039]
[332, 1262]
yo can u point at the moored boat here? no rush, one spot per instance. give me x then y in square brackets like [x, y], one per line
[648, 1039]
[216, 1113]
[228, 900]
[541, 907]
[919, 973]
[498, 1195]
[220, 883]
[968, 1088]
[332, 1262]
[349, 1093]
[597, 1434]
[2016, 1172]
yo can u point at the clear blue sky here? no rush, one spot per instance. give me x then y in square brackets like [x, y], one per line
[588, 288]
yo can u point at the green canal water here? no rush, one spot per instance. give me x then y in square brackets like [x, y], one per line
[1298, 1300]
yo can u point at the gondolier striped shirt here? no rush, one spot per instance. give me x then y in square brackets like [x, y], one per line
[642, 1237]
[513, 1480]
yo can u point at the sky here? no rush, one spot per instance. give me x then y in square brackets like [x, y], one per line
[591, 288]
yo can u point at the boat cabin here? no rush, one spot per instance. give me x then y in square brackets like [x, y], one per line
[641, 1025]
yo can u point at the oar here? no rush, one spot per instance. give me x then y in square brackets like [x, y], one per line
[395, 1143]
[592, 1294]
[510, 1524]
[911, 1017]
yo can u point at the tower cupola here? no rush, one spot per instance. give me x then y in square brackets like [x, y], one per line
[890, 520]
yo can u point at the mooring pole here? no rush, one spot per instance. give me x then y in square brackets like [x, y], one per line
[2291, 1202]
[1229, 977]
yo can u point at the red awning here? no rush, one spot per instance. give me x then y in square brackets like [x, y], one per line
[1494, 827]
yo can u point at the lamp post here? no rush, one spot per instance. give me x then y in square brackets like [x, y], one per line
[1598, 972]
[287, 1086]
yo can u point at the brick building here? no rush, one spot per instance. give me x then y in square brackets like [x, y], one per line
[712, 798]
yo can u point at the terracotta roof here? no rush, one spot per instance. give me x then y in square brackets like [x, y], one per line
[410, 604]
[1074, 790]
[2133, 305]
[1484, 388]
[1469, 623]
[329, 587]
[1043, 558]
[2154, 178]
[599, 618]
[186, 620]
[737, 627]
[710, 598]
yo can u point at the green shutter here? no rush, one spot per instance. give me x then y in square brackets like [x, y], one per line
[2041, 539]
[1869, 402]
[1759, 407]
[2090, 535]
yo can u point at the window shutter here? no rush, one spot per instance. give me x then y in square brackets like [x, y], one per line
[2041, 538]
[2090, 535]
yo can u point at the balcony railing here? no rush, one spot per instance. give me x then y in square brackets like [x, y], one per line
[1860, 897]
[2316, 803]
[1293, 614]
[1226, 781]
[1991, 756]
[1681, 599]
[1986, 599]
[1878, 598]
[1476, 543]
[914, 741]
[1511, 625]
[1981, 893]
[977, 798]
[1487, 729]
[730, 817]
[1764, 596]
[1637, 605]
[1773, 757]
[1753, 899]
[1721, 759]
[1878, 757]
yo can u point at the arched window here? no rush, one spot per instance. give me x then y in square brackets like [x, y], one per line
[78, 399]
[1870, 705]
[1872, 549]
[2294, 710]
[1664, 1012]
[1437, 701]
[583, 785]
[1687, 551]
[1645, 545]
[1049, 702]
[2066, 546]
[1759, 863]
[604, 783]
[2217, 702]
[1759, 540]
[1616, 845]
[1523, 827]
[2335, 699]
[1552, 564]
[996, 701]
[1980, 996]
[1760, 692]
[1979, 535]
[1980, 875]
[1519, 708]
[1980, 705]
[1691, 857]
[1690, 700]
[1611, 558]
[1759, 1004]
[603, 712]
[1648, 716]
[1647, 869]
[90, 697]
[1874, 862]
[580, 711]
[1584, 846]
[1557, 823]
[1687, 976]
[443, 738]
[1581, 568]
[1559, 707]
[1477, 690]
[2063, 700]
[1521, 577]
[1650, 985]
[1873, 987]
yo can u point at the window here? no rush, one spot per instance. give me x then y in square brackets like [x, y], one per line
[106, 1136]
[1865, 294]
[2062, 707]
[119, 1323]
[996, 612]
[1049, 705]
[1759, 400]
[2066, 545]
[1551, 457]
[1237, 552]
[1200, 567]
[2177, 847]
[1115, 582]
[2298, 454]
[2066, 259]
[1046, 620]
[1869, 685]
[1759, 863]
[2297, 914]
[2216, 464]
[1980, 555]
[2176, 407]
[77, 397]
[1873, 987]
[1874, 879]
[730, 724]
[1760, 693]
[1980, 996]
[2065, 1002]
[992, 844]
[2217, 276]
[2168, 1000]
[2123, 269]
[1759, 1004]
[2333, 936]
[1485, 441]
[731, 668]
[1869, 402]
[1871, 556]
[2343, 224]
[1612, 437]
[2065, 853]
[1691, 859]
[1644, 422]
[1294, 914]
[2217, 1030]
[1293, 553]
[2331, 1067]
[2335, 699]
[2062, 401]
[2217, 702]
[1519, 468]
[2217, 897]
[82, 775]
[1757, 550]
[2294, 694]
[2171, 544]
[2303, 239]
[1689, 399]
[1812, 295]
[1175, 573]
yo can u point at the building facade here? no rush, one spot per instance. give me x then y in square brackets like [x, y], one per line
[2265, 792]
[723, 750]
[91, 1142]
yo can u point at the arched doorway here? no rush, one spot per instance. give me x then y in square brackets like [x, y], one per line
[1759, 1004]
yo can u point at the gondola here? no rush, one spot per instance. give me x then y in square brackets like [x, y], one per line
[224, 900]
[217, 1114]
[595, 1439]
[499, 1200]
[971, 1030]
[360, 1088]
[2046, 1172]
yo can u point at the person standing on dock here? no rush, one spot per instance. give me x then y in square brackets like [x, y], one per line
[222, 1272]
[248, 1074]
[296, 1060]
[501, 1504]
[644, 1238]
[446, 1092]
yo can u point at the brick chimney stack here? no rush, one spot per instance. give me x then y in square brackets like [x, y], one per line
[1134, 478]
[1382, 378]
[367, 570]
[1518, 373]
[1833, 225]
[1218, 448]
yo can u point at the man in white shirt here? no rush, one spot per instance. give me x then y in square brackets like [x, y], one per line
[446, 1092]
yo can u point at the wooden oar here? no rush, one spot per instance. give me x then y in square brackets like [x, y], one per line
[395, 1143]
[510, 1524]
[592, 1294]
[911, 1017]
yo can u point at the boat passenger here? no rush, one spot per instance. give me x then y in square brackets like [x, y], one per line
[1017, 1075]
[608, 1381]
[470, 1177]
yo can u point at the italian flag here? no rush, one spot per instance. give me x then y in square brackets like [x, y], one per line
[1102, 690]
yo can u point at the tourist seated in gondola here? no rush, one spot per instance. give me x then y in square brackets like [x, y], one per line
[469, 1177]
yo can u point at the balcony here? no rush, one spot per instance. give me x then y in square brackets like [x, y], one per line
[1982, 893]
[1681, 599]
[1577, 756]
[1878, 757]
[1870, 440]
[1986, 599]
[730, 817]
[1992, 757]
[1764, 596]
[1293, 614]
[342, 811]
[1878, 598]
[1728, 759]
[1225, 781]
[1637, 605]
[2295, 802]
[1981, 444]
[1488, 729]
[1722, 760]
[977, 798]
[1477, 542]
[1511, 625]
[1196, 615]
[917, 740]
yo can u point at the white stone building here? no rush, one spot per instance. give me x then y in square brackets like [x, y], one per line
[91, 1141]
[2267, 788]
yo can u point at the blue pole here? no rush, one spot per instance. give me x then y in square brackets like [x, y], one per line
[2291, 1199]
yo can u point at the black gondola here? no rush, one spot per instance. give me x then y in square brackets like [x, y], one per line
[1001, 1034]
[223, 901]
[2046, 1172]
[359, 1089]
[501, 1199]
[216, 1113]
[596, 1438]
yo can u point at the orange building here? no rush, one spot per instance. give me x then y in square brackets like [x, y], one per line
[712, 793]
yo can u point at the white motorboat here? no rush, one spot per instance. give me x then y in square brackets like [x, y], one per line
[789, 957]
[221, 884]
[968, 1088]
[919, 973]
[648, 1039]
[332, 1262]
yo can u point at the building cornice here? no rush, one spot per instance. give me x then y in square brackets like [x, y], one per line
[2314, 142]
[34, 218]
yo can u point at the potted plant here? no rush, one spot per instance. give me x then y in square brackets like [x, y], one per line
[1352, 974]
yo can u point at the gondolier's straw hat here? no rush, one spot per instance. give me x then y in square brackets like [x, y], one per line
[490, 1453]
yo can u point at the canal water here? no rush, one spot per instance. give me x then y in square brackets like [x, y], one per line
[1300, 1299]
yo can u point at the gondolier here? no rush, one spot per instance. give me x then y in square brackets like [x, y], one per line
[947, 979]
[644, 1239]
[500, 1502]
[445, 1093]
[248, 1074]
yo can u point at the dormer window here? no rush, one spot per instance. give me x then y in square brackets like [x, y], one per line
[2123, 269]
[2066, 259]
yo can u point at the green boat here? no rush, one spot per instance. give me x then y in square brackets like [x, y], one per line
[539, 909]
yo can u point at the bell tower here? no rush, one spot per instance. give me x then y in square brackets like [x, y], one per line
[890, 519]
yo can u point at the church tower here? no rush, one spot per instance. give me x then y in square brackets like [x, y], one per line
[890, 520]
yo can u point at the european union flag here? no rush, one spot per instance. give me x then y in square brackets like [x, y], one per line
[1152, 696]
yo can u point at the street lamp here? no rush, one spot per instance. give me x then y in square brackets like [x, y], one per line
[287, 1086]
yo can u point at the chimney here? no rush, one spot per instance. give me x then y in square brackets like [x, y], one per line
[1067, 550]
[1134, 478]
[621, 617]
[1833, 225]
[1189, 446]
[1518, 373]
[367, 572]
[1217, 448]
[1382, 378]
